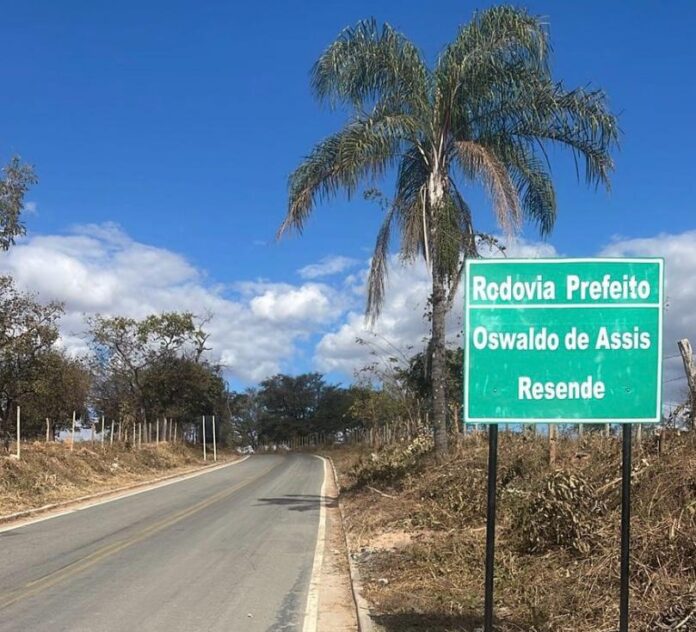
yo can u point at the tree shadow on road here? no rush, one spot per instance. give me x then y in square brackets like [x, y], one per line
[300, 502]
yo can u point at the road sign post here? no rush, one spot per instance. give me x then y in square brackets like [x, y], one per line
[625, 527]
[563, 341]
[490, 525]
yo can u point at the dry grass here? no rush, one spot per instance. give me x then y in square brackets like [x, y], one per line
[560, 579]
[49, 472]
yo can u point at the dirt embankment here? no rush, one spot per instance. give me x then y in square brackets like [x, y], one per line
[417, 531]
[49, 472]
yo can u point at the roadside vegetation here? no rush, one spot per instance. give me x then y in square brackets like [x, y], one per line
[48, 473]
[416, 528]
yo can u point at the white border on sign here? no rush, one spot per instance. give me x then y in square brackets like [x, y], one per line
[595, 420]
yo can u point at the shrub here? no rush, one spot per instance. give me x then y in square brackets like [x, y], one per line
[565, 512]
[391, 464]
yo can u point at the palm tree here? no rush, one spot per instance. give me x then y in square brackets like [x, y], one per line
[484, 113]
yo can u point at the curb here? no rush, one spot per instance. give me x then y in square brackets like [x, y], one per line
[365, 622]
[25, 513]
[311, 618]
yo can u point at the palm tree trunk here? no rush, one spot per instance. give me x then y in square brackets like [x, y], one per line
[439, 359]
[436, 191]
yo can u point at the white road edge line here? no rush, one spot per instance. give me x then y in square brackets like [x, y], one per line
[311, 618]
[146, 488]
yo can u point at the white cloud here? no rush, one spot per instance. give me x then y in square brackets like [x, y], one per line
[284, 302]
[327, 266]
[255, 331]
[402, 326]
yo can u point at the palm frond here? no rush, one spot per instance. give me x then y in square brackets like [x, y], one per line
[480, 164]
[528, 172]
[488, 51]
[364, 148]
[578, 119]
[379, 268]
[411, 205]
[536, 110]
[368, 64]
[465, 220]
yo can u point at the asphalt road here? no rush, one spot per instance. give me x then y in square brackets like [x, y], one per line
[230, 550]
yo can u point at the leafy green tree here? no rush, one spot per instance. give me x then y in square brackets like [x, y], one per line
[289, 405]
[111, 394]
[182, 388]
[375, 407]
[16, 181]
[28, 330]
[335, 412]
[245, 414]
[131, 356]
[61, 386]
[484, 112]
[284, 407]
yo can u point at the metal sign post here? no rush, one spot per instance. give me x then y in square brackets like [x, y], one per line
[625, 527]
[490, 525]
[563, 341]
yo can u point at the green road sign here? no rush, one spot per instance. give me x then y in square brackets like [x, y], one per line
[563, 340]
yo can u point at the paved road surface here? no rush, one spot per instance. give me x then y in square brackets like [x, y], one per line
[231, 551]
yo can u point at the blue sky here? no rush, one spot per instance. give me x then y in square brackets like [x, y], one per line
[180, 122]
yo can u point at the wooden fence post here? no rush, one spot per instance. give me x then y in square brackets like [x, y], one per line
[690, 370]
[661, 440]
[72, 438]
[19, 432]
[205, 455]
[553, 441]
[214, 442]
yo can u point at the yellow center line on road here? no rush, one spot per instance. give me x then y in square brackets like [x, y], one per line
[74, 568]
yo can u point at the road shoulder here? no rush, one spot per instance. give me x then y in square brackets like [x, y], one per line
[337, 610]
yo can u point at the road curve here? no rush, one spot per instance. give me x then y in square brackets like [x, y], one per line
[230, 550]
